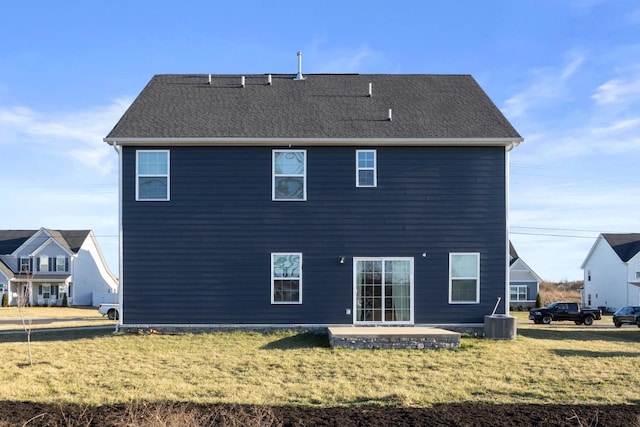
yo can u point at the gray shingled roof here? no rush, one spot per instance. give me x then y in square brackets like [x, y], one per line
[321, 106]
[10, 240]
[624, 245]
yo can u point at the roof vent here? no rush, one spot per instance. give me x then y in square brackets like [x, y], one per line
[242, 81]
[269, 82]
[390, 115]
[209, 78]
[370, 89]
[299, 75]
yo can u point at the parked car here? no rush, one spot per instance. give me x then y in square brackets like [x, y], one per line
[565, 311]
[110, 310]
[627, 316]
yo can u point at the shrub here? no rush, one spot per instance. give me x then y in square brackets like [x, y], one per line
[538, 301]
[5, 300]
[65, 301]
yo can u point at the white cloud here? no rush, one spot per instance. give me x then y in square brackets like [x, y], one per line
[618, 91]
[546, 85]
[77, 133]
[345, 60]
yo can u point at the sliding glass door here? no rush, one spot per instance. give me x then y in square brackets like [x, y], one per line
[383, 290]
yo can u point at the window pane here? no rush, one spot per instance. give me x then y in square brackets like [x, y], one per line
[288, 163]
[463, 290]
[289, 188]
[464, 265]
[365, 159]
[365, 177]
[152, 188]
[152, 163]
[286, 265]
[286, 290]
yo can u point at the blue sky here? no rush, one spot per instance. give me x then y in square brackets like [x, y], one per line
[566, 73]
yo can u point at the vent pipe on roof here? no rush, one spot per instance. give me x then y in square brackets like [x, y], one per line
[209, 78]
[269, 79]
[370, 89]
[299, 75]
[390, 115]
[242, 81]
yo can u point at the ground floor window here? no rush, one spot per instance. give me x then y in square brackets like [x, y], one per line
[286, 278]
[383, 290]
[464, 278]
[518, 293]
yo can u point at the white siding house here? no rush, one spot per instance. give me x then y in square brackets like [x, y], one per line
[612, 272]
[44, 265]
[523, 282]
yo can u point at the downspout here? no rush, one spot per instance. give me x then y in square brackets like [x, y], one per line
[507, 150]
[118, 149]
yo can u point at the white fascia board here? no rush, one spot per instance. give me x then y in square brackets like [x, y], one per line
[500, 142]
[593, 248]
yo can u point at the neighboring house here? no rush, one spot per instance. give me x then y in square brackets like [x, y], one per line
[325, 200]
[612, 272]
[53, 263]
[524, 283]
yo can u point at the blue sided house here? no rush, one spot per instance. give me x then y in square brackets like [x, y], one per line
[310, 201]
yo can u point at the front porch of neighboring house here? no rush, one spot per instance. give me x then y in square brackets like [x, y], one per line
[40, 291]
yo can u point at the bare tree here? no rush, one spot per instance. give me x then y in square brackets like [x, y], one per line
[25, 280]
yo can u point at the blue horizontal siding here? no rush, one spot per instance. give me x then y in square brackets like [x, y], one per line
[204, 256]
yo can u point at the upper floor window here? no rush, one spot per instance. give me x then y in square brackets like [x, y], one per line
[286, 278]
[637, 271]
[61, 263]
[152, 175]
[43, 263]
[289, 175]
[464, 278]
[25, 264]
[366, 168]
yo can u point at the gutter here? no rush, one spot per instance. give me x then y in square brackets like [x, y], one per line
[510, 143]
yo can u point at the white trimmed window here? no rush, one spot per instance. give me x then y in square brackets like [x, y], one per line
[637, 271]
[518, 292]
[366, 168]
[289, 181]
[152, 175]
[286, 278]
[464, 278]
[25, 264]
[61, 263]
[43, 264]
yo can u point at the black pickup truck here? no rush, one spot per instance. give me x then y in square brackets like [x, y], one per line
[564, 311]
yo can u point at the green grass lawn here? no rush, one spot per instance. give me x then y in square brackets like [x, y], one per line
[561, 363]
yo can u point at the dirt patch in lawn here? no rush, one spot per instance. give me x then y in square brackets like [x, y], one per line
[187, 415]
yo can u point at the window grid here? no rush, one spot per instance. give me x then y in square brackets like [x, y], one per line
[464, 278]
[289, 175]
[61, 263]
[152, 175]
[366, 175]
[286, 278]
[383, 290]
[518, 293]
